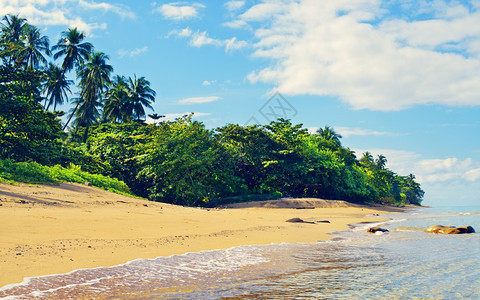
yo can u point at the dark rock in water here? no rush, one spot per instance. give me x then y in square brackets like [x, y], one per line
[449, 229]
[376, 229]
[298, 220]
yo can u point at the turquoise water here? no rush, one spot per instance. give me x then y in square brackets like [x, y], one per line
[406, 263]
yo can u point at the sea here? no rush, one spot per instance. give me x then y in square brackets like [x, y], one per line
[405, 263]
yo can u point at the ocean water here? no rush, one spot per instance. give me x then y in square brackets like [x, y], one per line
[405, 263]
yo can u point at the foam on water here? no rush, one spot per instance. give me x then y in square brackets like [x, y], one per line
[140, 274]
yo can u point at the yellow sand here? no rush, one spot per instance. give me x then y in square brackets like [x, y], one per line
[57, 229]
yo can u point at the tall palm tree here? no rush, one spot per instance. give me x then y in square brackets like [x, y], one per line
[367, 159]
[13, 25]
[140, 95]
[94, 77]
[381, 161]
[116, 99]
[71, 47]
[12, 28]
[56, 86]
[327, 133]
[30, 52]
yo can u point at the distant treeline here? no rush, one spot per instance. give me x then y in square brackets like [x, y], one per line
[181, 161]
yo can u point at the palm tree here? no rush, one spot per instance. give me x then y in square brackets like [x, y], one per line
[381, 161]
[30, 52]
[71, 47]
[12, 28]
[327, 133]
[367, 159]
[116, 99]
[56, 86]
[94, 77]
[127, 98]
[140, 95]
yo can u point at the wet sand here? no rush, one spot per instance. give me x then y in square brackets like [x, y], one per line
[57, 229]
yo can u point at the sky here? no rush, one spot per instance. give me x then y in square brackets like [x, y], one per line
[399, 77]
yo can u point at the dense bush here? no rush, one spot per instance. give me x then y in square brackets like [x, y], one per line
[32, 172]
[182, 162]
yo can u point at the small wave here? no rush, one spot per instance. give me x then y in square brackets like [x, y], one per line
[409, 229]
[139, 274]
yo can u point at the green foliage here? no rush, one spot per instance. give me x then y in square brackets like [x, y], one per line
[182, 162]
[187, 165]
[27, 131]
[32, 172]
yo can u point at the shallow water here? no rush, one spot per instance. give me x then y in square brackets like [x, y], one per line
[405, 263]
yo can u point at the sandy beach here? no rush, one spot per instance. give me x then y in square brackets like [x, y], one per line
[57, 229]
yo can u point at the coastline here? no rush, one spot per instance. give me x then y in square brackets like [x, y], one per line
[57, 229]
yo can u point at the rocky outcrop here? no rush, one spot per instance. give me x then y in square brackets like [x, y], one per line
[377, 229]
[298, 220]
[449, 229]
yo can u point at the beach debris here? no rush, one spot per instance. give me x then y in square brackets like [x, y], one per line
[449, 229]
[298, 220]
[88, 183]
[377, 230]
[323, 221]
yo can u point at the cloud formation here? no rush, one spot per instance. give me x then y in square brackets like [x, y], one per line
[361, 53]
[133, 52]
[201, 38]
[62, 12]
[198, 100]
[450, 170]
[234, 5]
[179, 10]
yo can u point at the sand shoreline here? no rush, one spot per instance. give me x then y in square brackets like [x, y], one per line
[57, 229]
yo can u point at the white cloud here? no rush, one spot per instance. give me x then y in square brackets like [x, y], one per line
[473, 175]
[235, 24]
[265, 10]
[61, 12]
[208, 83]
[234, 5]
[123, 12]
[200, 39]
[186, 32]
[449, 169]
[233, 44]
[179, 10]
[331, 48]
[347, 131]
[198, 100]
[133, 52]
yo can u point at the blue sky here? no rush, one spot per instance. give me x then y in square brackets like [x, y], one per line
[399, 78]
